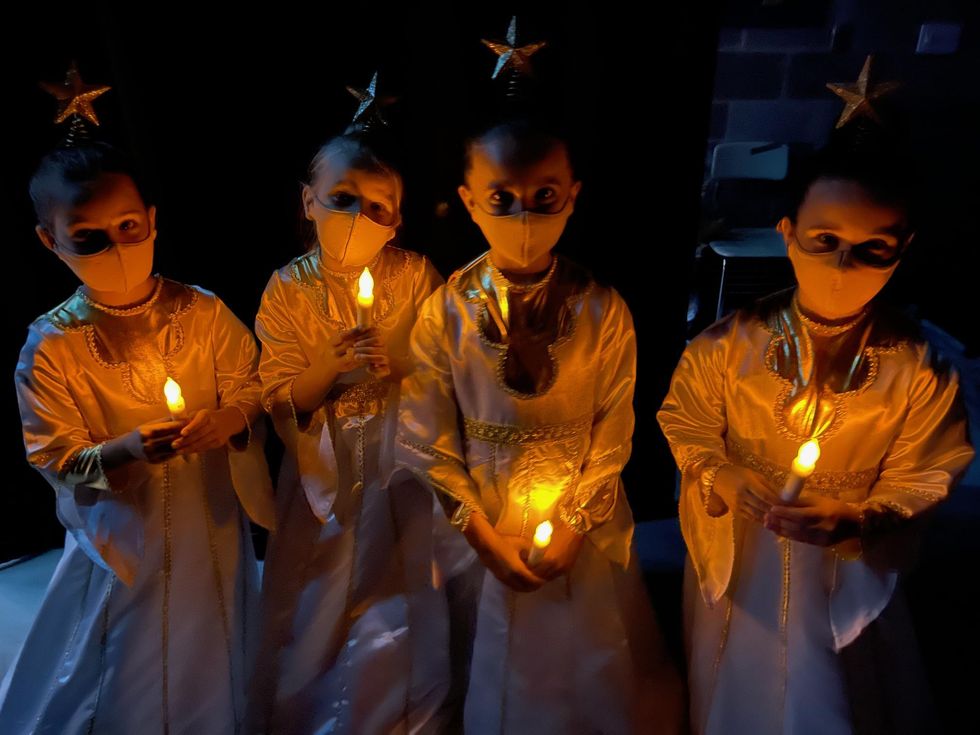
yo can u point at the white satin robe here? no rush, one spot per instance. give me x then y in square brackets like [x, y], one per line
[768, 617]
[148, 623]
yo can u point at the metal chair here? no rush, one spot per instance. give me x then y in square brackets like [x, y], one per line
[745, 188]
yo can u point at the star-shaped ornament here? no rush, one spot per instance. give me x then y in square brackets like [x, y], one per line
[861, 96]
[75, 96]
[369, 103]
[510, 55]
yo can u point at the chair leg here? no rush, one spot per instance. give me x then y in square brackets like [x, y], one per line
[721, 288]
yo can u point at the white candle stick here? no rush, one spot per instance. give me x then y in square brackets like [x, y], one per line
[175, 401]
[806, 460]
[365, 299]
[542, 537]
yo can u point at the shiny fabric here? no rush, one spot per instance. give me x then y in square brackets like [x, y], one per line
[542, 438]
[147, 622]
[354, 634]
[750, 390]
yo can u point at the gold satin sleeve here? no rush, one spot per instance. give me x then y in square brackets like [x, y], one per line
[282, 359]
[57, 441]
[599, 489]
[236, 375]
[429, 441]
[236, 362]
[96, 507]
[426, 283]
[926, 459]
[693, 419]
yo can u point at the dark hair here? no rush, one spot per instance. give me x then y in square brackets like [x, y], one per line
[862, 155]
[77, 165]
[531, 140]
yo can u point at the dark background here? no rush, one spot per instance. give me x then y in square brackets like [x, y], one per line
[224, 111]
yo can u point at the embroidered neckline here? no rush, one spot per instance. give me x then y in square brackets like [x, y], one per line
[572, 303]
[350, 275]
[822, 329]
[524, 287]
[314, 278]
[125, 310]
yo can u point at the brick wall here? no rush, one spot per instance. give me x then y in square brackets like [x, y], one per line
[770, 82]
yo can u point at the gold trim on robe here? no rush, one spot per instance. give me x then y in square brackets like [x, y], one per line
[303, 307]
[895, 444]
[472, 420]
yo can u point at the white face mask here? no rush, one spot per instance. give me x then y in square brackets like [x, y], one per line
[523, 237]
[350, 238]
[833, 289]
[117, 269]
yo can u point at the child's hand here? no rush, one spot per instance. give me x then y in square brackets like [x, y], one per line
[816, 520]
[153, 442]
[370, 350]
[339, 355]
[209, 429]
[745, 492]
[560, 555]
[502, 555]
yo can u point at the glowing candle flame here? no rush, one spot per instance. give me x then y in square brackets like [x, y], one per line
[365, 299]
[365, 287]
[807, 457]
[802, 468]
[542, 537]
[175, 401]
[542, 534]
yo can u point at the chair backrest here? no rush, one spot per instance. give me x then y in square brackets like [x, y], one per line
[750, 160]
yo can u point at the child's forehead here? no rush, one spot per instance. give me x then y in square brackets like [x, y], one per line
[843, 199]
[504, 158]
[338, 166]
[106, 195]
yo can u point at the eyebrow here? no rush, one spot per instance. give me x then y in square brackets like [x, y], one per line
[894, 231]
[553, 180]
[85, 221]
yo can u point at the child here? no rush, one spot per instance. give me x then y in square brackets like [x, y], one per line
[143, 627]
[519, 411]
[355, 637]
[785, 587]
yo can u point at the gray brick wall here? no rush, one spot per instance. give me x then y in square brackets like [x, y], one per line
[770, 82]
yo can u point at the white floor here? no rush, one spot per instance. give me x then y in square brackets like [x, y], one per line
[22, 586]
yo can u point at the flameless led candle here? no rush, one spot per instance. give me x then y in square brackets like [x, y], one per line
[365, 299]
[806, 460]
[542, 537]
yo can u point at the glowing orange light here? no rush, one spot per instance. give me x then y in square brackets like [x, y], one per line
[175, 401]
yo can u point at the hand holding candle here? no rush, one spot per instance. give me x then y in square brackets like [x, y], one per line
[803, 465]
[542, 537]
[365, 299]
[175, 401]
